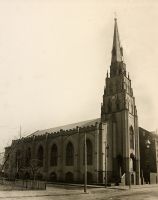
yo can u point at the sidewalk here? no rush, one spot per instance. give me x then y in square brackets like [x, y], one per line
[80, 186]
[65, 192]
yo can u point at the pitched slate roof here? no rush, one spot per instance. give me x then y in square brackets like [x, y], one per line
[66, 127]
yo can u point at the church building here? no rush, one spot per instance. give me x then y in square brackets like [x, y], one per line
[108, 145]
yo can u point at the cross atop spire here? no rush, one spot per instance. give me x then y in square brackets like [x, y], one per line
[117, 51]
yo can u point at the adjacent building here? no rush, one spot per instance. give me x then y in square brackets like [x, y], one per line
[148, 156]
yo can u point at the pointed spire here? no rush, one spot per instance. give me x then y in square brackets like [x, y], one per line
[117, 51]
[107, 74]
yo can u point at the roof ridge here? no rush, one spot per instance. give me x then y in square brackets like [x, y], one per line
[66, 127]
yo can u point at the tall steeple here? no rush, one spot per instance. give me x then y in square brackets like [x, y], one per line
[117, 65]
[117, 52]
[119, 111]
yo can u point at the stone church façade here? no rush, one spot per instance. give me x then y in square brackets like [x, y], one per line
[112, 140]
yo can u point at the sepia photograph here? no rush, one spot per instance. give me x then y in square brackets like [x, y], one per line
[78, 99]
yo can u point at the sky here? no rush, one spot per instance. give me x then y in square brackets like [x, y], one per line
[54, 55]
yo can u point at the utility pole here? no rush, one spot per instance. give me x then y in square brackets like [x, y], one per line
[85, 163]
[129, 179]
[106, 163]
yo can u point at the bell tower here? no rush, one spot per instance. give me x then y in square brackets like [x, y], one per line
[119, 111]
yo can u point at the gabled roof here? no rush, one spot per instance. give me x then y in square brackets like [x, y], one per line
[66, 127]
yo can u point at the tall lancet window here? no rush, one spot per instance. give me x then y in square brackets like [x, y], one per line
[28, 157]
[131, 138]
[69, 154]
[111, 88]
[117, 104]
[40, 156]
[89, 153]
[109, 105]
[54, 155]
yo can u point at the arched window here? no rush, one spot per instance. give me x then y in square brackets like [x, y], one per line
[54, 155]
[53, 177]
[89, 153]
[69, 177]
[110, 88]
[69, 154]
[127, 103]
[28, 157]
[109, 106]
[117, 104]
[132, 162]
[18, 160]
[132, 109]
[125, 86]
[40, 156]
[131, 138]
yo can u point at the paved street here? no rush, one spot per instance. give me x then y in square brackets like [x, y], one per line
[71, 193]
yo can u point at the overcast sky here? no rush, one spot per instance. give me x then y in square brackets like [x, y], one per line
[54, 56]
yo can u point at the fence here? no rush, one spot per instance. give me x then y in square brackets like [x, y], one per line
[23, 184]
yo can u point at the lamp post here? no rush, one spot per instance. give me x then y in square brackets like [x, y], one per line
[106, 155]
[129, 179]
[148, 144]
[147, 159]
[85, 163]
